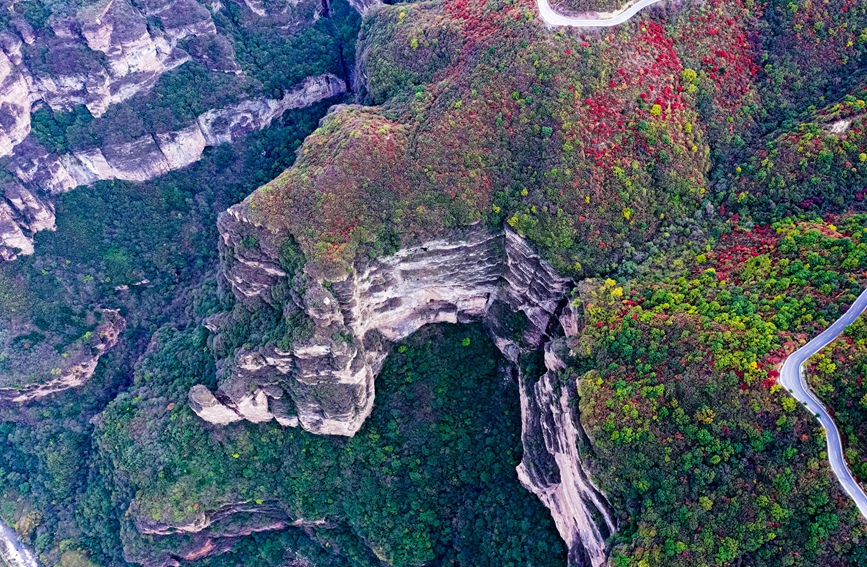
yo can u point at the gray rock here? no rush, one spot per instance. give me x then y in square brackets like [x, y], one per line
[203, 402]
[42, 174]
[472, 275]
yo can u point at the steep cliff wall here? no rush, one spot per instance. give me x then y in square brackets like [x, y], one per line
[209, 534]
[106, 52]
[78, 363]
[324, 380]
[41, 174]
[102, 54]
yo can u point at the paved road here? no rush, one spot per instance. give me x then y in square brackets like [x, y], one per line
[12, 551]
[792, 378]
[792, 374]
[549, 16]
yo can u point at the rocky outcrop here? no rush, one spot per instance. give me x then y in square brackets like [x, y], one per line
[364, 7]
[552, 468]
[225, 125]
[328, 373]
[21, 212]
[14, 99]
[105, 53]
[108, 51]
[208, 533]
[42, 174]
[79, 364]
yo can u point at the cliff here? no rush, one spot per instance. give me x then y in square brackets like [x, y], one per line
[105, 53]
[323, 379]
[77, 364]
[209, 534]
[41, 174]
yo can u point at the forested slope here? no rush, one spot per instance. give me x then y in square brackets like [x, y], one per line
[698, 172]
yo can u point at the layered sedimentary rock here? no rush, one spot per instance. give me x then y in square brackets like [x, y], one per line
[20, 212]
[42, 174]
[551, 467]
[209, 533]
[325, 377]
[104, 53]
[110, 50]
[80, 363]
[14, 100]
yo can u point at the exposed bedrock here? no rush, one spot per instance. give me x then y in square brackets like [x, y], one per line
[323, 379]
[41, 174]
[552, 468]
[102, 54]
[107, 52]
[208, 534]
[79, 363]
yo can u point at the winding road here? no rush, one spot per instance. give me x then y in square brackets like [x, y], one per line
[792, 378]
[792, 374]
[602, 20]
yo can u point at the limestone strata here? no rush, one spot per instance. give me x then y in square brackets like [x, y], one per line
[474, 275]
[21, 211]
[42, 174]
[103, 54]
[551, 467]
[14, 103]
[79, 367]
[224, 125]
[107, 52]
[209, 408]
[110, 50]
[208, 533]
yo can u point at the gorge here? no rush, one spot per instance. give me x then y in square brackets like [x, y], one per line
[325, 381]
[106, 55]
[335, 283]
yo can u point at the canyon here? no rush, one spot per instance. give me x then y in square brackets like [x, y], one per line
[102, 55]
[324, 380]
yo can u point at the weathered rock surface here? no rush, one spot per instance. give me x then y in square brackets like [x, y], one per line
[105, 53]
[21, 211]
[14, 101]
[209, 408]
[79, 366]
[209, 533]
[474, 275]
[42, 174]
[552, 469]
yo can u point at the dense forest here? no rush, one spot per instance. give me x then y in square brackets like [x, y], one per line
[710, 459]
[699, 172]
[113, 235]
[430, 477]
[837, 375]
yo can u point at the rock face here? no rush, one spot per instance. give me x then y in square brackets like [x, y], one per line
[108, 51]
[208, 534]
[21, 212]
[328, 374]
[552, 469]
[14, 102]
[102, 54]
[42, 174]
[78, 367]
